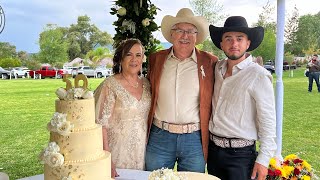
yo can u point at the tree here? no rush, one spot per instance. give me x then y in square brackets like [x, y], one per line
[53, 46]
[213, 12]
[210, 9]
[291, 28]
[136, 20]
[10, 62]
[307, 37]
[7, 50]
[98, 54]
[267, 49]
[83, 37]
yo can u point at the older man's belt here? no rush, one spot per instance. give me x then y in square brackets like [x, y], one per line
[231, 142]
[177, 128]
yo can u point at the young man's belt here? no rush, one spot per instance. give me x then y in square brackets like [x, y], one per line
[177, 128]
[230, 142]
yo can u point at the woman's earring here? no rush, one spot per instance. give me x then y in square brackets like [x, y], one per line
[120, 68]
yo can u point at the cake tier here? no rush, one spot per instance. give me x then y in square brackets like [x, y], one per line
[99, 169]
[80, 112]
[80, 146]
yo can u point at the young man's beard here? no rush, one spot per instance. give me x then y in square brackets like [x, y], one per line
[234, 57]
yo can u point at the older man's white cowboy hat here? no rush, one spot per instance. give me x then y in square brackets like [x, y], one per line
[237, 24]
[185, 15]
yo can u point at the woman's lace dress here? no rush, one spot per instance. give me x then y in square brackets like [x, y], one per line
[125, 118]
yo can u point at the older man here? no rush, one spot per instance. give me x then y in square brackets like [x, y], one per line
[181, 80]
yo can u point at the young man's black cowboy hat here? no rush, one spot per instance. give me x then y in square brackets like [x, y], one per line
[237, 24]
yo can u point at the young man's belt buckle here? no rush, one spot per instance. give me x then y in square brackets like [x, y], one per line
[230, 142]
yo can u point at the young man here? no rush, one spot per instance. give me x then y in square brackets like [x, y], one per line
[181, 79]
[243, 106]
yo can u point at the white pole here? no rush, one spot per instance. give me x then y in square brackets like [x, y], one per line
[279, 70]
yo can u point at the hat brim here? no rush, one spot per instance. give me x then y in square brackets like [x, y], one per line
[200, 22]
[255, 35]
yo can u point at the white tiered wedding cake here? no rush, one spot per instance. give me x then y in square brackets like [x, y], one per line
[75, 150]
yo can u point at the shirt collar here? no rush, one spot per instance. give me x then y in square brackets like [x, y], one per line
[192, 57]
[245, 63]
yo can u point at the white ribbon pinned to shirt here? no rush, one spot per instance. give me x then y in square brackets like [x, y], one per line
[202, 71]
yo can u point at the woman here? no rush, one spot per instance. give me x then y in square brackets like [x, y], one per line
[122, 106]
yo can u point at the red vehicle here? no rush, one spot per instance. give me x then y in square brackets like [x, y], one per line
[46, 71]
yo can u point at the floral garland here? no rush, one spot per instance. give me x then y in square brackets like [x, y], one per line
[292, 167]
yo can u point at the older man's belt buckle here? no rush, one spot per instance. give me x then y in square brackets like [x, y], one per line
[230, 142]
[177, 128]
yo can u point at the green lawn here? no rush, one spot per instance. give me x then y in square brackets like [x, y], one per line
[27, 105]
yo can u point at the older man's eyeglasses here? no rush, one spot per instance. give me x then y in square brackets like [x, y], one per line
[188, 32]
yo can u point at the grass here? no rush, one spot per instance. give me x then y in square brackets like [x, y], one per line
[27, 105]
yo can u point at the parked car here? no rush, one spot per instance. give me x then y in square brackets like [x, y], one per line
[4, 74]
[46, 71]
[26, 71]
[86, 70]
[18, 72]
[103, 72]
[68, 70]
[269, 66]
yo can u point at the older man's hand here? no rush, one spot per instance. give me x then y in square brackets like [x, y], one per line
[260, 171]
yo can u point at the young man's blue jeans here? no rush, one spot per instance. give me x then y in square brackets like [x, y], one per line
[165, 148]
[315, 76]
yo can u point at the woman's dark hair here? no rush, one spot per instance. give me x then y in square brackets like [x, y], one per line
[121, 51]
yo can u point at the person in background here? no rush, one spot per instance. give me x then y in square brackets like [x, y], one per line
[181, 79]
[243, 108]
[259, 60]
[314, 71]
[122, 106]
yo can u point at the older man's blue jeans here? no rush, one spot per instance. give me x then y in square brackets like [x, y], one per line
[165, 148]
[315, 76]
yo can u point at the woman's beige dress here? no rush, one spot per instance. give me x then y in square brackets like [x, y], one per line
[125, 118]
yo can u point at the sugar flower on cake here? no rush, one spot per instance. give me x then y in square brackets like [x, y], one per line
[87, 95]
[51, 155]
[60, 124]
[55, 160]
[61, 93]
[74, 93]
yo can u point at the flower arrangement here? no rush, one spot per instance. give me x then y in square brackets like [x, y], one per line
[166, 174]
[292, 167]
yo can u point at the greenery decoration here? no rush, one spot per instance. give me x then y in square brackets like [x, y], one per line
[136, 20]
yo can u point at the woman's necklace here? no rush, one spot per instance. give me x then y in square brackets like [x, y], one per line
[133, 85]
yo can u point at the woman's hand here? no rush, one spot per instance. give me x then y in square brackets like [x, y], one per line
[113, 170]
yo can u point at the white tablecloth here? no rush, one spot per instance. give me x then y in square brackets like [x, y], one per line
[124, 174]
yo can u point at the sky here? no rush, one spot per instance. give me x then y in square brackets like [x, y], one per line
[26, 19]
